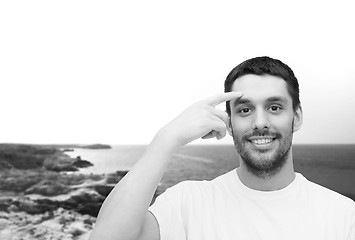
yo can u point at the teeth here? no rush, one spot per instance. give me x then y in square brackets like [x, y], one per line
[262, 141]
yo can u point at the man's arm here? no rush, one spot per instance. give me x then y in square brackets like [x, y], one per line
[124, 213]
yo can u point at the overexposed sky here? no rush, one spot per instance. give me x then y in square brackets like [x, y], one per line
[116, 71]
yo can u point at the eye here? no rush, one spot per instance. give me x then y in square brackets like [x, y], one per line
[244, 111]
[275, 108]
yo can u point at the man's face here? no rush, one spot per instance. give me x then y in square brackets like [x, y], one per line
[262, 122]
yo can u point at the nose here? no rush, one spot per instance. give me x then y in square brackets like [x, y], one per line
[260, 120]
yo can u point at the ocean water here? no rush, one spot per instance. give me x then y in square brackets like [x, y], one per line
[332, 166]
[109, 160]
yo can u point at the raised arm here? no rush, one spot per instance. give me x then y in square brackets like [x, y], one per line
[124, 213]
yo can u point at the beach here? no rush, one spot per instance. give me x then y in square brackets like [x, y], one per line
[42, 195]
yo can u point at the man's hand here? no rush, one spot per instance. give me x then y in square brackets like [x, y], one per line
[201, 119]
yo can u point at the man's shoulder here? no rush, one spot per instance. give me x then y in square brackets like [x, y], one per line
[325, 195]
[204, 185]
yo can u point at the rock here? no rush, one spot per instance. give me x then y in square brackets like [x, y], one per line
[5, 204]
[122, 173]
[87, 203]
[59, 162]
[64, 225]
[89, 221]
[29, 207]
[48, 188]
[97, 146]
[17, 181]
[13, 208]
[5, 165]
[68, 150]
[63, 168]
[103, 190]
[91, 209]
[75, 232]
[23, 156]
[82, 163]
[113, 178]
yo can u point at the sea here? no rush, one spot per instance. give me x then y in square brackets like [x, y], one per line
[332, 166]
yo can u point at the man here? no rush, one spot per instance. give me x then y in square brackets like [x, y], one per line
[262, 199]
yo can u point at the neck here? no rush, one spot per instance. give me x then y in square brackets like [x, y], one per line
[279, 180]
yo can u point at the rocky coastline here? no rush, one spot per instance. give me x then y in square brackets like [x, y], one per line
[43, 197]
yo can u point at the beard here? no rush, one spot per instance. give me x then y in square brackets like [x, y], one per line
[264, 163]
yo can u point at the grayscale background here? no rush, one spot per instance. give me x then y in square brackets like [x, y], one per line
[78, 73]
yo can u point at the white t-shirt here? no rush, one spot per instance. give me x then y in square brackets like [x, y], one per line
[225, 209]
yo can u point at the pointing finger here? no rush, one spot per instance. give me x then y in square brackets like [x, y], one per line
[220, 114]
[222, 97]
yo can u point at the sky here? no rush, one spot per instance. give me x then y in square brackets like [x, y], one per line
[115, 72]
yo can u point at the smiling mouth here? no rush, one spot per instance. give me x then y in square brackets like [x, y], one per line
[261, 141]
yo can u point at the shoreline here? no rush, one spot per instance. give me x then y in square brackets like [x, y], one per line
[40, 196]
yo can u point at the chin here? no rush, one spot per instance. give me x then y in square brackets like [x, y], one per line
[264, 163]
[264, 160]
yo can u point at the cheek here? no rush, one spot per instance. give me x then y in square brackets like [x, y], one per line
[283, 123]
[280, 123]
[240, 125]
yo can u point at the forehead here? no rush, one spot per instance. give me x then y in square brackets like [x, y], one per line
[261, 87]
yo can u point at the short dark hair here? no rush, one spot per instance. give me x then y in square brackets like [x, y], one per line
[265, 66]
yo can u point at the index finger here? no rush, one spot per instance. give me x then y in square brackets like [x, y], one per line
[223, 97]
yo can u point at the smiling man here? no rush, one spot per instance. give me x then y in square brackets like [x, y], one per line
[264, 198]
[263, 120]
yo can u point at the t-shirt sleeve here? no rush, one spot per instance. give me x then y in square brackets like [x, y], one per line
[167, 209]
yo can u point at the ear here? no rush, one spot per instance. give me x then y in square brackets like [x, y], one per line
[297, 119]
[229, 126]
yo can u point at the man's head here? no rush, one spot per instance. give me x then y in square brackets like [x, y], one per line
[265, 66]
[263, 120]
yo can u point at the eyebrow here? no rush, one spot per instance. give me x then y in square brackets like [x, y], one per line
[241, 101]
[268, 100]
[277, 99]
